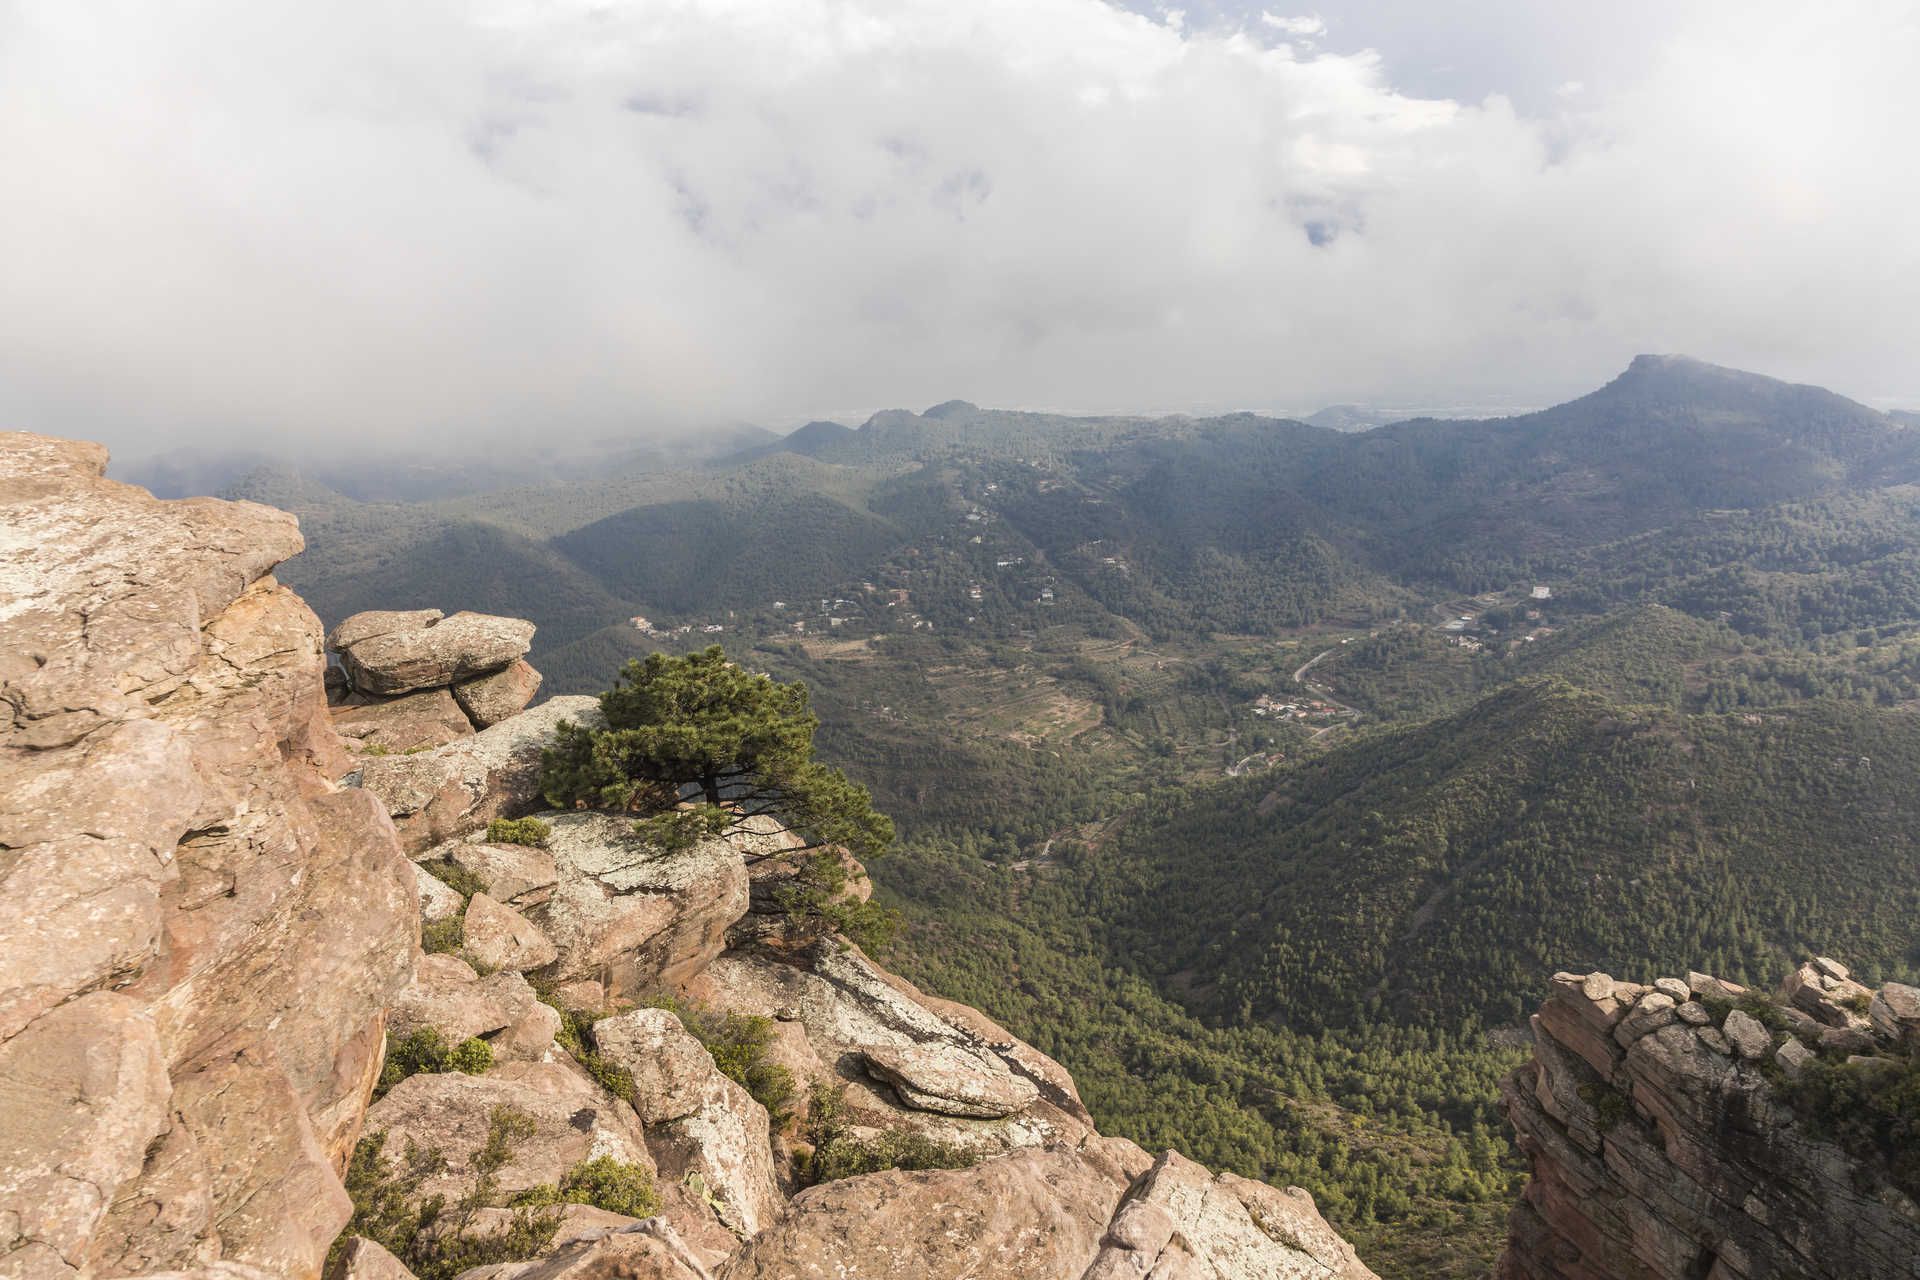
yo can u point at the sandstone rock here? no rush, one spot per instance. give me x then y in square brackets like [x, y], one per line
[379, 622]
[1179, 1220]
[1895, 1012]
[164, 806]
[489, 699]
[438, 901]
[1747, 1036]
[1831, 968]
[1845, 1040]
[441, 652]
[1034, 1213]
[1673, 989]
[1708, 1173]
[501, 1008]
[1693, 1013]
[648, 1250]
[1653, 1011]
[456, 789]
[699, 1122]
[1596, 986]
[416, 721]
[1792, 1056]
[1706, 986]
[362, 1259]
[629, 916]
[574, 1120]
[498, 937]
[1832, 1000]
[584, 996]
[930, 1078]
[512, 872]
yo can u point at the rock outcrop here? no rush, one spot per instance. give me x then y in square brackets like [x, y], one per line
[215, 968]
[1665, 1143]
[204, 933]
[411, 680]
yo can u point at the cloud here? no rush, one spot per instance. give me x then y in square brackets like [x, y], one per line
[363, 221]
[1313, 25]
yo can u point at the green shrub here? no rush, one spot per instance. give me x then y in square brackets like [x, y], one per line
[527, 831]
[838, 1154]
[604, 1183]
[426, 1052]
[426, 1233]
[1608, 1103]
[455, 877]
[443, 937]
[816, 903]
[680, 829]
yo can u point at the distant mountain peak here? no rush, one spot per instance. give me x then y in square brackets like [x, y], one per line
[951, 409]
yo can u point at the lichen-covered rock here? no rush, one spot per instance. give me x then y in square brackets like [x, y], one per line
[379, 622]
[837, 1011]
[698, 1121]
[451, 791]
[498, 937]
[170, 833]
[574, 1120]
[512, 873]
[648, 1250]
[934, 1078]
[489, 699]
[1179, 1220]
[414, 722]
[1033, 1213]
[1667, 1153]
[629, 916]
[393, 657]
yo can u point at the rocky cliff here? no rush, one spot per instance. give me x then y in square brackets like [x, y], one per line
[1690, 1129]
[221, 1038]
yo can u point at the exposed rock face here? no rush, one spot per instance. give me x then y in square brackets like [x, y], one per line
[172, 850]
[499, 937]
[1662, 1148]
[417, 721]
[1179, 1220]
[396, 653]
[438, 795]
[698, 1121]
[629, 916]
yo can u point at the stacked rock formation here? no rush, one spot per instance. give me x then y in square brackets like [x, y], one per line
[414, 679]
[173, 851]
[215, 969]
[1664, 1144]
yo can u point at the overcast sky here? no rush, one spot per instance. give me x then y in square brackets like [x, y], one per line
[263, 221]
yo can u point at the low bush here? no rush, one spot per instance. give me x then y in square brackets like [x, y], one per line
[739, 1044]
[527, 831]
[425, 1051]
[837, 1153]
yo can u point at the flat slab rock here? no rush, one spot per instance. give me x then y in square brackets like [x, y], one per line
[403, 653]
[930, 1078]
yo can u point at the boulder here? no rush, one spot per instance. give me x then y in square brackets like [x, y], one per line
[489, 699]
[441, 651]
[498, 937]
[362, 1259]
[932, 1078]
[415, 722]
[501, 1008]
[1746, 1034]
[1895, 1012]
[573, 1120]
[648, 1250]
[699, 1122]
[379, 622]
[1029, 1214]
[1180, 1220]
[451, 791]
[438, 901]
[512, 873]
[836, 1012]
[629, 916]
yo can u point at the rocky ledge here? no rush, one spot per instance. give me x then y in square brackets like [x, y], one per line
[1692, 1129]
[612, 1060]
